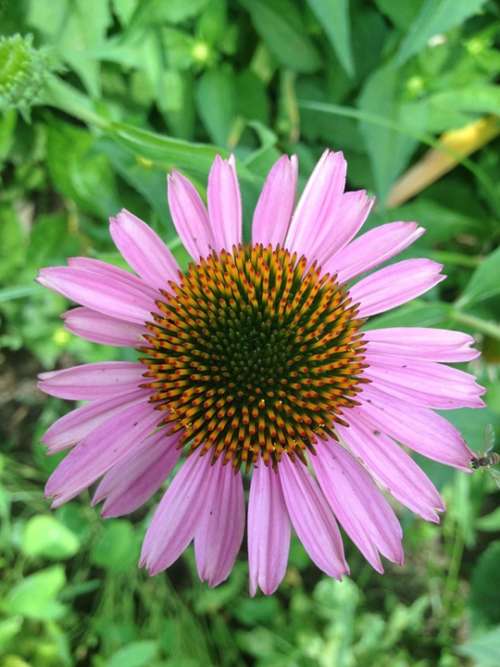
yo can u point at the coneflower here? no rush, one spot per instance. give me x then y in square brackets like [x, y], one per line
[254, 362]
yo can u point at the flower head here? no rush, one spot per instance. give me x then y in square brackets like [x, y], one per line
[255, 363]
[23, 72]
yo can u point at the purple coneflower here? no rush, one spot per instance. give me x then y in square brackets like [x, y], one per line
[255, 362]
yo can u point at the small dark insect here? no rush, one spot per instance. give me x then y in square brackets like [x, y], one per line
[485, 461]
[489, 458]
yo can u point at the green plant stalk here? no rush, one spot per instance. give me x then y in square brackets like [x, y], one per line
[454, 258]
[144, 144]
[424, 138]
[482, 326]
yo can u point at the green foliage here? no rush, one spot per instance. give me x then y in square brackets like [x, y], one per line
[35, 597]
[132, 89]
[46, 537]
[117, 549]
[23, 71]
[137, 654]
[435, 18]
[334, 17]
[280, 25]
[484, 587]
[484, 650]
[484, 282]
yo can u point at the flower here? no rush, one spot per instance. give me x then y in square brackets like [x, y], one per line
[256, 362]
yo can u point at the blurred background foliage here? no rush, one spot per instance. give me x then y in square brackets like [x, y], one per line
[98, 100]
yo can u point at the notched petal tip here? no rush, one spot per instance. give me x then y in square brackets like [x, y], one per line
[46, 276]
[40, 278]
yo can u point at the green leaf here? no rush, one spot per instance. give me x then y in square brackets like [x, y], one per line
[485, 650]
[484, 283]
[415, 314]
[47, 17]
[83, 30]
[9, 628]
[35, 596]
[320, 126]
[215, 98]
[176, 11]
[179, 46]
[52, 240]
[473, 424]
[485, 585]
[441, 223]
[74, 28]
[370, 34]
[8, 123]
[279, 24]
[124, 9]
[214, 600]
[118, 547]
[69, 99]
[12, 244]
[456, 107]
[166, 152]
[490, 522]
[252, 611]
[251, 99]
[171, 91]
[212, 26]
[74, 518]
[402, 14]
[334, 17]
[262, 159]
[136, 654]
[80, 172]
[153, 12]
[178, 106]
[148, 180]
[46, 536]
[435, 17]
[389, 150]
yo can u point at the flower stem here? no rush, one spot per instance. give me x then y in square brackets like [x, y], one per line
[482, 326]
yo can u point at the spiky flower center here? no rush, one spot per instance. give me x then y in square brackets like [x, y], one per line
[254, 353]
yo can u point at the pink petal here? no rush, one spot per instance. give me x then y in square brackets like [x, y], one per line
[268, 531]
[105, 446]
[422, 343]
[99, 328]
[110, 295]
[394, 285]
[190, 216]
[219, 534]
[77, 424]
[130, 483]
[178, 515]
[419, 428]
[143, 250]
[311, 518]
[362, 510]
[316, 213]
[224, 204]
[424, 383]
[275, 205]
[93, 381]
[105, 270]
[372, 248]
[392, 468]
[353, 210]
